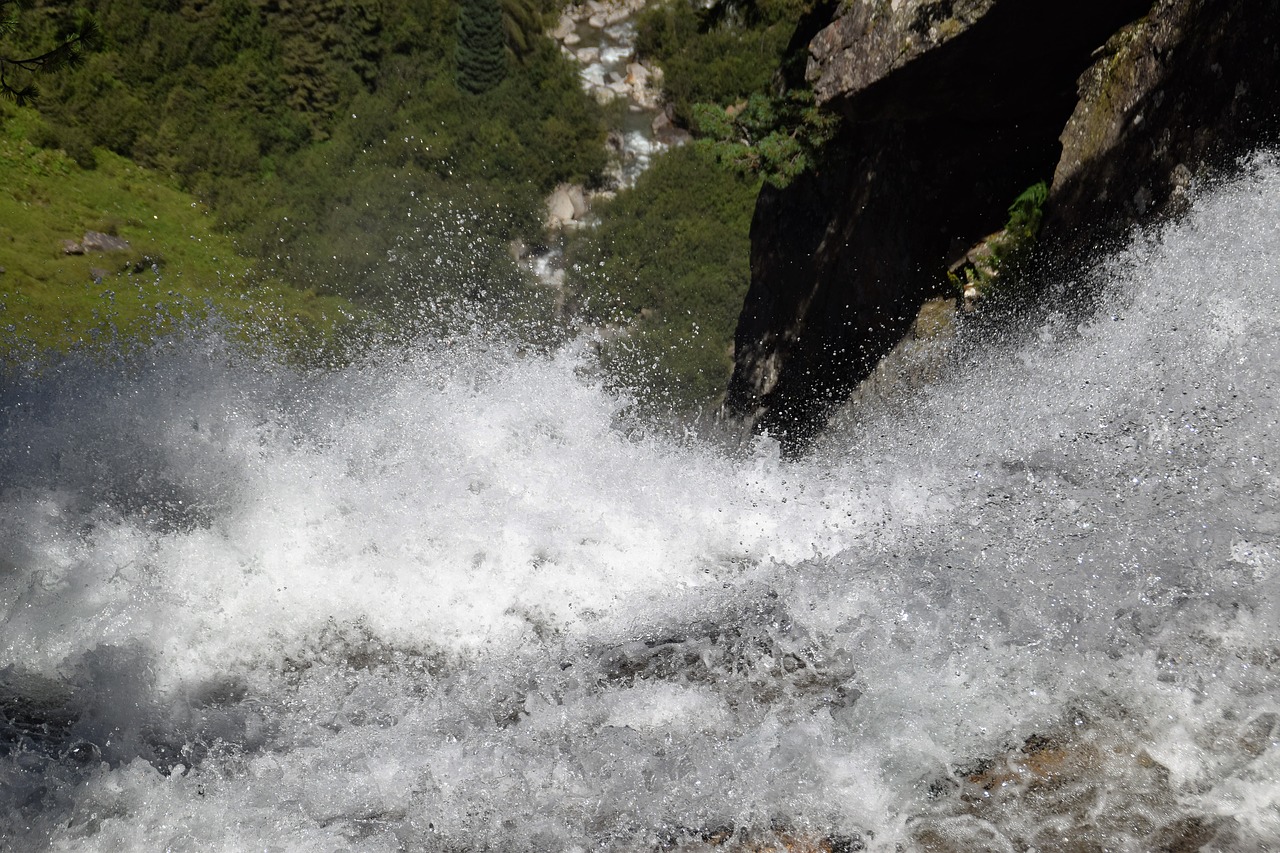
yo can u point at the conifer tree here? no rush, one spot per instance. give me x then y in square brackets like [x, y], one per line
[522, 21]
[16, 71]
[481, 51]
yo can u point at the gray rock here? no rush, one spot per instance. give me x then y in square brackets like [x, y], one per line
[637, 74]
[559, 208]
[566, 206]
[96, 241]
[873, 38]
[667, 132]
[577, 198]
[949, 109]
[563, 28]
[1182, 91]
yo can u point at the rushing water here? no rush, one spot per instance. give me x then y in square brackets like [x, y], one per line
[448, 599]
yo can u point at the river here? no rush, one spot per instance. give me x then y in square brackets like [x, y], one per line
[452, 598]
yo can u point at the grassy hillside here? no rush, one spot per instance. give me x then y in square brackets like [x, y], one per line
[178, 262]
[285, 163]
[341, 148]
[312, 129]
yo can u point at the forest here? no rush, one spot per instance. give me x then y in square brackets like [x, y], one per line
[310, 168]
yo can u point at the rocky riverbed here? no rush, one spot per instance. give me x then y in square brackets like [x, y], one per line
[601, 38]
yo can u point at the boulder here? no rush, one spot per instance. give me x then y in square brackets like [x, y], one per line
[873, 38]
[566, 206]
[578, 198]
[948, 110]
[559, 208]
[563, 28]
[96, 241]
[1181, 91]
[637, 75]
[667, 132]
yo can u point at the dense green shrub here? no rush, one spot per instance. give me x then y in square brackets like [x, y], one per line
[669, 261]
[721, 65]
[777, 137]
[719, 54]
[314, 128]
[481, 50]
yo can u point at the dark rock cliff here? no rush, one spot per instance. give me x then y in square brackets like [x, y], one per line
[1189, 87]
[949, 109]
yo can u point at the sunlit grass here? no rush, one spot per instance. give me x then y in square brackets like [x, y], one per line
[178, 264]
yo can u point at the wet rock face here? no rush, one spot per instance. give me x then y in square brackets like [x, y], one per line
[1185, 89]
[950, 109]
[871, 39]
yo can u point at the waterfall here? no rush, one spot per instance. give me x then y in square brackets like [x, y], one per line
[451, 597]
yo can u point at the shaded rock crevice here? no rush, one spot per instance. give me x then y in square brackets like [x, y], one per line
[950, 109]
[1182, 92]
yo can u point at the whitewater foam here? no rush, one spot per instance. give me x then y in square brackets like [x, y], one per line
[451, 598]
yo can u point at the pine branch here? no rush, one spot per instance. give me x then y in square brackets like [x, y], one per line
[69, 53]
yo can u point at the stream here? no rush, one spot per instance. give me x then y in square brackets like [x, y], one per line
[451, 598]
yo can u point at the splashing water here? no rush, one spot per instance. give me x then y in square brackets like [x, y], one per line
[443, 600]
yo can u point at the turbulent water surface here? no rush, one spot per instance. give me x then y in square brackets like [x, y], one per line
[447, 599]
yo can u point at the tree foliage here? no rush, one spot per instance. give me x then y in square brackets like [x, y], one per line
[17, 71]
[669, 262]
[775, 136]
[720, 63]
[718, 54]
[481, 49]
[319, 131]
[523, 22]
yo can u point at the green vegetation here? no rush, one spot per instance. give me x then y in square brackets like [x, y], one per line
[669, 263]
[328, 140]
[668, 266]
[776, 137]
[993, 268]
[720, 64]
[316, 160]
[17, 71]
[719, 55]
[481, 50]
[177, 263]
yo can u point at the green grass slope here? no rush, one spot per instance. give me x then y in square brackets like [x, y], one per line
[178, 263]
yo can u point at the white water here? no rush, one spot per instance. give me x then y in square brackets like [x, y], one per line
[448, 600]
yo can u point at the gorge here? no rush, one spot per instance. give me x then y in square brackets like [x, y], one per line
[451, 598]
[951, 109]
[455, 592]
